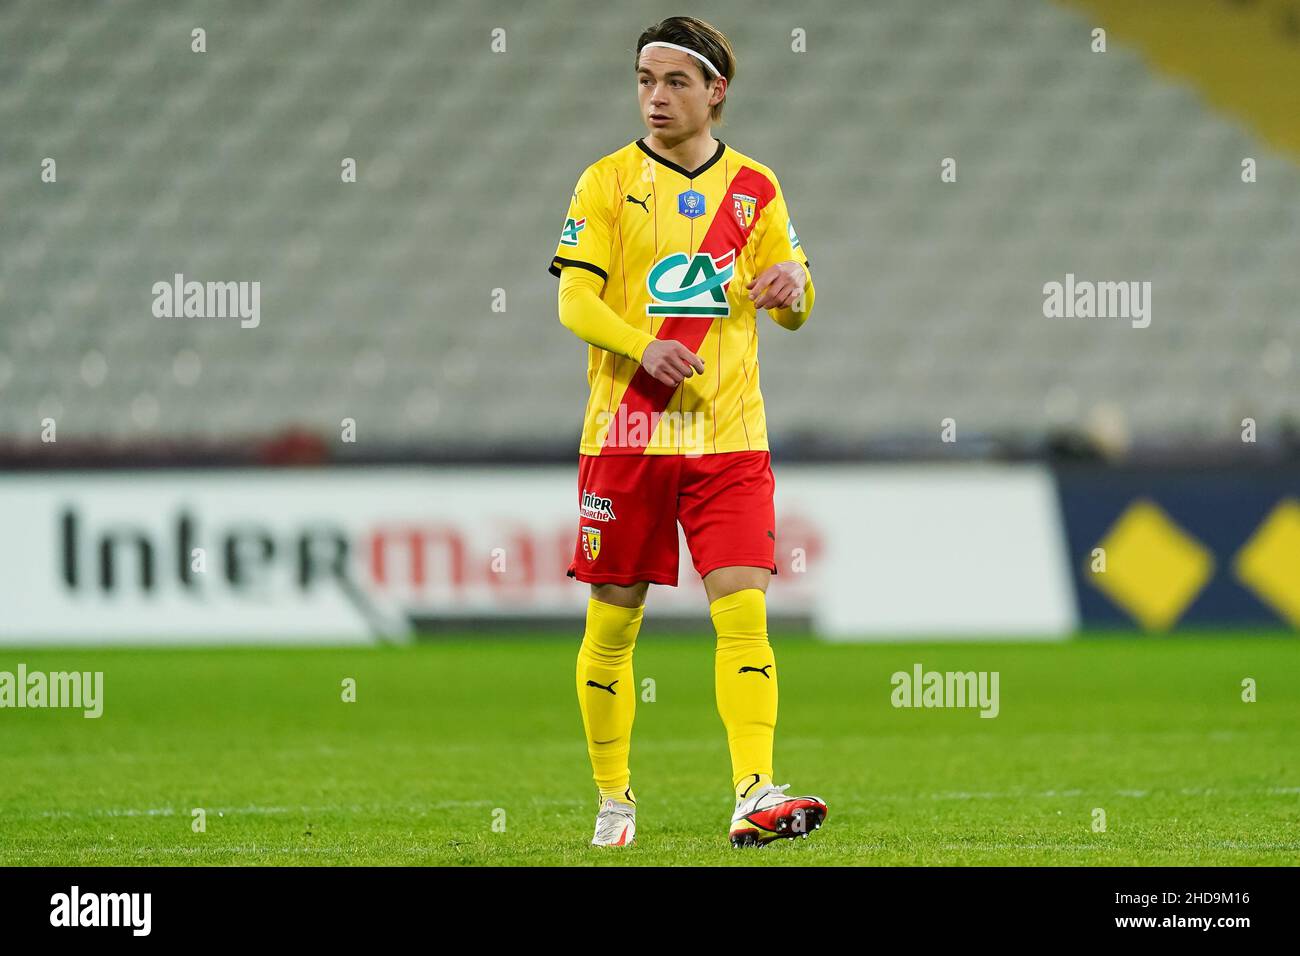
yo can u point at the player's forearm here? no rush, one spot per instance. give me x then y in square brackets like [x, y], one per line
[585, 314]
[793, 317]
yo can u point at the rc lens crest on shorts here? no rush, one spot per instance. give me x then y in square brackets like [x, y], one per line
[591, 542]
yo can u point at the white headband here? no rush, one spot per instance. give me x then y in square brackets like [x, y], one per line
[674, 46]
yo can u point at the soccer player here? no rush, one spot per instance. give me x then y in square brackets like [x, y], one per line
[670, 247]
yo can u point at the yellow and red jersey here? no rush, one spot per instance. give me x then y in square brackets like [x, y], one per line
[676, 249]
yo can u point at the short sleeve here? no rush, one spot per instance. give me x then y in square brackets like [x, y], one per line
[777, 240]
[587, 237]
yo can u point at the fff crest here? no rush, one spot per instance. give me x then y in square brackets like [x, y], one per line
[690, 204]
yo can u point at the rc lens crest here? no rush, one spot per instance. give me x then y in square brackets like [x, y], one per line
[744, 207]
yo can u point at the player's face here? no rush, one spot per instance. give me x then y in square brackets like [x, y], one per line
[673, 95]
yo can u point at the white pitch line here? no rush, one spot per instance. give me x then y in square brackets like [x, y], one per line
[270, 810]
[1088, 848]
[417, 809]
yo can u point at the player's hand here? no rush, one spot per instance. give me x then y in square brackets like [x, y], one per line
[779, 286]
[669, 362]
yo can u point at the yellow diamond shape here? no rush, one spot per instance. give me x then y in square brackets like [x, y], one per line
[1269, 563]
[1154, 569]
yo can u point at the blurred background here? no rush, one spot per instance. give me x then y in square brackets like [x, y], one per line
[391, 449]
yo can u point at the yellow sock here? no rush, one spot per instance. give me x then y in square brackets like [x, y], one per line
[623, 796]
[751, 784]
[745, 681]
[607, 693]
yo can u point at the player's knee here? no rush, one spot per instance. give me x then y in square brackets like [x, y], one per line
[726, 581]
[621, 595]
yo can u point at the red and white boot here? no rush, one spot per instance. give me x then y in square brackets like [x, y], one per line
[771, 815]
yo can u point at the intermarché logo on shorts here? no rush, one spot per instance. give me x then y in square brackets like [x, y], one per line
[637, 429]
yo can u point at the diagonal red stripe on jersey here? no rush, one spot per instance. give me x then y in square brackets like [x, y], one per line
[645, 395]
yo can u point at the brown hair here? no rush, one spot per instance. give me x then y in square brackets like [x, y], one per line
[706, 40]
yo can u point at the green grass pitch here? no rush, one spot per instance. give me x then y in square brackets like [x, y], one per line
[469, 751]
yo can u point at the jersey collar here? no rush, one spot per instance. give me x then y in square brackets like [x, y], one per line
[688, 173]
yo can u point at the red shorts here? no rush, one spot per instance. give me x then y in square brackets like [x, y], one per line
[629, 506]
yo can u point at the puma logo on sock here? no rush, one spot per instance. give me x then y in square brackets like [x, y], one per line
[610, 687]
[758, 670]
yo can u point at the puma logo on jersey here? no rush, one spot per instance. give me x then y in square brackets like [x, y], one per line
[609, 687]
[757, 670]
[641, 202]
